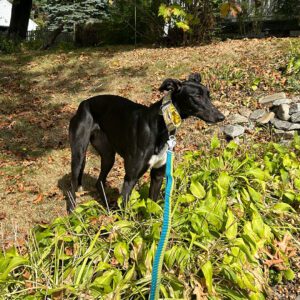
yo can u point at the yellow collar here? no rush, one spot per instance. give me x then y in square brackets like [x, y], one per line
[170, 114]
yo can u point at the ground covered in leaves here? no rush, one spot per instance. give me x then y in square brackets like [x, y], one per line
[40, 91]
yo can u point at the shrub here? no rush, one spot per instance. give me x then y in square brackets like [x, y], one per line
[8, 46]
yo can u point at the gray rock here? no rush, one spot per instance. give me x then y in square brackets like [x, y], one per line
[266, 118]
[295, 118]
[296, 99]
[284, 125]
[286, 143]
[245, 111]
[226, 113]
[283, 112]
[271, 98]
[234, 130]
[250, 126]
[282, 101]
[294, 108]
[237, 119]
[284, 134]
[258, 113]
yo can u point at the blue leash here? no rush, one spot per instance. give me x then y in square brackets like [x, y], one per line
[166, 226]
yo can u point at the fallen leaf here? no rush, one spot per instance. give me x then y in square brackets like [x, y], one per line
[21, 187]
[69, 251]
[272, 262]
[38, 199]
[26, 274]
[2, 215]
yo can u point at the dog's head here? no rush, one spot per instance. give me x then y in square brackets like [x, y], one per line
[192, 98]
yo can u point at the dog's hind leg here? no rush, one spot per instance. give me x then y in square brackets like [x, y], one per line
[107, 153]
[79, 134]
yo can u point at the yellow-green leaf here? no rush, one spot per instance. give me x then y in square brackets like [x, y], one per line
[208, 274]
[197, 189]
[231, 225]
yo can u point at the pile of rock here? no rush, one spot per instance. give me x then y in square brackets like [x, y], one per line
[283, 113]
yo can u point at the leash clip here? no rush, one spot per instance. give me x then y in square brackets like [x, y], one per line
[171, 142]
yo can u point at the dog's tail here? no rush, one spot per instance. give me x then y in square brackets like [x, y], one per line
[80, 129]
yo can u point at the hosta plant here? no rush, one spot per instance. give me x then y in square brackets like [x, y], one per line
[234, 231]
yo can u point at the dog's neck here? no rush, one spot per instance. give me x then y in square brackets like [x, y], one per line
[156, 120]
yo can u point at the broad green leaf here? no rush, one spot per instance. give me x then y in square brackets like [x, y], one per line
[11, 264]
[138, 203]
[129, 274]
[229, 293]
[297, 183]
[215, 143]
[170, 256]
[223, 183]
[197, 189]
[289, 274]
[258, 173]
[282, 207]
[104, 281]
[289, 196]
[182, 257]
[229, 273]
[186, 198]
[231, 225]
[246, 280]
[239, 242]
[256, 296]
[255, 196]
[183, 25]
[208, 274]
[258, 224]
[153, 207]
[121, 252]
[103, 266]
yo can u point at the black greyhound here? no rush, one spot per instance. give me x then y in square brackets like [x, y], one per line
[138, 133]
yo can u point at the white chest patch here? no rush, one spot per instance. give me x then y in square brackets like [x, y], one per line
[158, 160]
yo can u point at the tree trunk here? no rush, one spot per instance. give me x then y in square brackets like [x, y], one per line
[19, 20]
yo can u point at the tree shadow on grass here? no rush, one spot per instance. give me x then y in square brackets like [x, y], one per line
[32, 123]
[34, 130]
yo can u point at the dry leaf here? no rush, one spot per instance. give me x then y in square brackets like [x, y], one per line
[38, 199]
[26, 274]
[2, 215]
[273, 262]
[21, 187]
[69, 251]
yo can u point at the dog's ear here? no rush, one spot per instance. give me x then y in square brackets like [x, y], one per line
[170, 85]
[196, 77]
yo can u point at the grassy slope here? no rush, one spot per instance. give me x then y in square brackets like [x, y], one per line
[39, 92]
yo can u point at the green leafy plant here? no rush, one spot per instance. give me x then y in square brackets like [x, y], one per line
[175, 14]
[233, 234]
[8, 46]
[293, 65]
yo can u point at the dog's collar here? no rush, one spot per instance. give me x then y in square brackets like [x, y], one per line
[170, 114]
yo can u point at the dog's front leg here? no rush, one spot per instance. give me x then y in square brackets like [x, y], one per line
[128, 185]
[157, 176]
